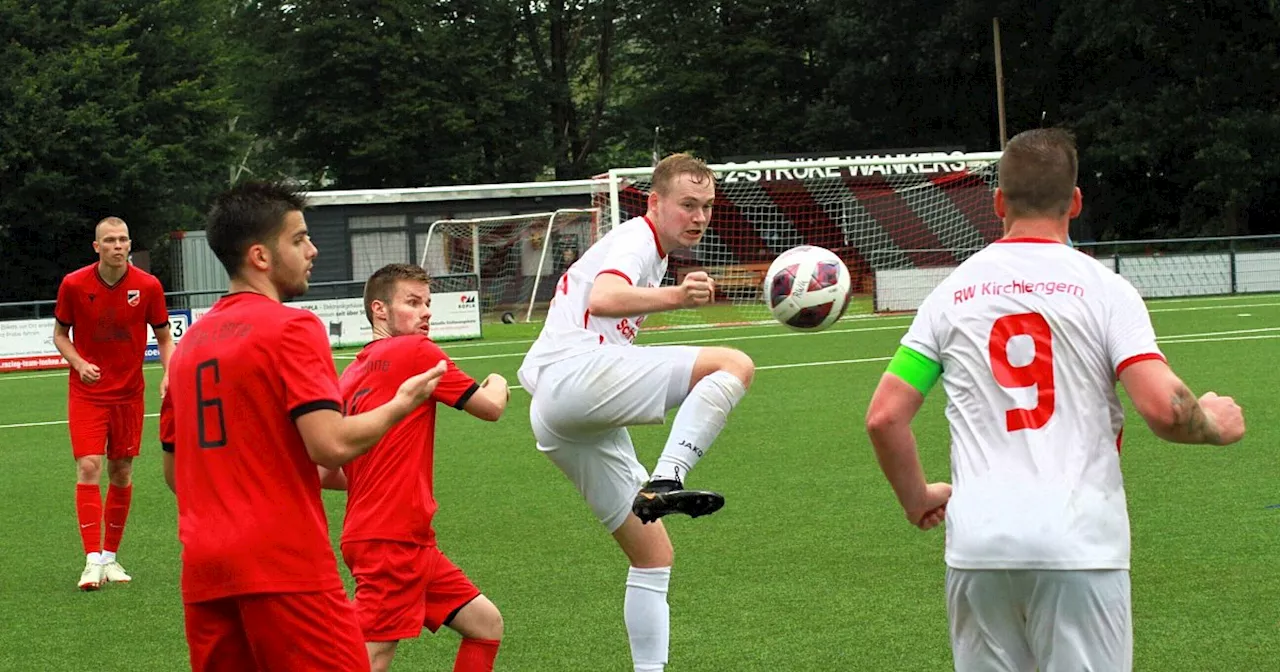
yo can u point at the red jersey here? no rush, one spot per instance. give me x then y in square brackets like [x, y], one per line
[250, 517]
[389, 488]
[109, 328]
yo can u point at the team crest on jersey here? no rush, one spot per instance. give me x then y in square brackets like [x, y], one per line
[134, 296]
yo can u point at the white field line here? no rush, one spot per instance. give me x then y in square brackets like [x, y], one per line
[1206, 337]
[490, 344]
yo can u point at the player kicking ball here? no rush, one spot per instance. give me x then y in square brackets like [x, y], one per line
[590, 382]
[403, 581]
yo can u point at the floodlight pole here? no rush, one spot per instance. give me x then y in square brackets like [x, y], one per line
[995, 28]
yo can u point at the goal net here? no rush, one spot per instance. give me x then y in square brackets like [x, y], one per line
[515, 259]
[899, 223]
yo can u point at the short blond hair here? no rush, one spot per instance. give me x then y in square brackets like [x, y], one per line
[672, 167]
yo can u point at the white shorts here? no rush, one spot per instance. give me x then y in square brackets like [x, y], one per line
[1050, 620]
[583, 405]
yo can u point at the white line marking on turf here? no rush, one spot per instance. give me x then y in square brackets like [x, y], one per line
[1255, 337]
[1248, 335]
[726, 339]
[517, 387]
[1232, 305]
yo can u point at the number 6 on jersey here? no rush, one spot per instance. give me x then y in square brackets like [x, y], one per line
[1037, 372]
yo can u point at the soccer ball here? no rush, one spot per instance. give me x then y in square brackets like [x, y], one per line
[807, 288]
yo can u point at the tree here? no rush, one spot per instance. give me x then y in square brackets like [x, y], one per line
[106, 109]
[399, 93]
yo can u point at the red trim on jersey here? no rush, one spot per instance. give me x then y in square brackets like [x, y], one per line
[654, 229]
[1031, 240]
[1138, 358]
[586, 317]
[620, 274]
[1119, 439]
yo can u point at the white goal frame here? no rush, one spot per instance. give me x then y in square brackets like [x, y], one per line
[476, 224]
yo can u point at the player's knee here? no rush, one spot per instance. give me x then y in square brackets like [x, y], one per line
[739, 364]
[490, 625]
[89, 470]
[658, 553]
[380, 655]
[120, 472]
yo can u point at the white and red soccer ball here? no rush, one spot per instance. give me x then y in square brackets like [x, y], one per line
[807, 288]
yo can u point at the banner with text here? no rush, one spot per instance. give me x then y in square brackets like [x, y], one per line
[27, 345]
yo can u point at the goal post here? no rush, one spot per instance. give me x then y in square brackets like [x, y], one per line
[514, 258]
[890, 219]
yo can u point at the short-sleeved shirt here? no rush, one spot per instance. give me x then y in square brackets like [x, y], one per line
[108, 326]
[1032, 337]
[632, 252]
[390, 493]
[250, 517]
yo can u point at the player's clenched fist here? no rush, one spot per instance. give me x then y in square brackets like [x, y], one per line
[1226, 415]
[89, 373]
[497, 381]
[931, 510]
[696, 289]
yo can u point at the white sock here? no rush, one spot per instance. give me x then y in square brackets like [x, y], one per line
[94, 557]
[698, 423]
[648, 617]
[108, 557]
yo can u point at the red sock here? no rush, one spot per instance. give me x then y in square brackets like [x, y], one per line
[476, 655]
[89, 513]
[117, 512]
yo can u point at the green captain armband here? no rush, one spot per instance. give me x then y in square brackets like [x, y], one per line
[919, 371]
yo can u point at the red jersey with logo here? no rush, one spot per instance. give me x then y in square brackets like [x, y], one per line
[108, 326]
[389, 488]
[250, 517]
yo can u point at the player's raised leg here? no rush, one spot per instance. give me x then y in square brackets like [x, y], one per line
[719, 380]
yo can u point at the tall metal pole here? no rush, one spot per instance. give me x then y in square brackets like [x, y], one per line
[995, 27]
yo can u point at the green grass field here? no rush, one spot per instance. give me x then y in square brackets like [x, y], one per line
[810, 565]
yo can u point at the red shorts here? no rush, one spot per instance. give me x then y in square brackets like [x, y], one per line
[402, 588]
[111, 429]
[276, 631]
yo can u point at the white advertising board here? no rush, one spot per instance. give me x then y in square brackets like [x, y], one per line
[27, 345]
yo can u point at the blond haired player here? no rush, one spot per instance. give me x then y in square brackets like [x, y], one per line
[101, 321]
[1029, 338]
[589, 383]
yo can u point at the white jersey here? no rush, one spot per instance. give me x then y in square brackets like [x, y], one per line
[1032, 336]
[630, 251]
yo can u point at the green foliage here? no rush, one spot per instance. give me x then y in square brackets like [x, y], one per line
[105, 109]
[141, 109]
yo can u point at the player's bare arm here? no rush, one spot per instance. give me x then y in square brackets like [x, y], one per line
[165, 345]
[889, 416]
[612, 296]
[333, 439]
[1172, 411]
[89, 373]
[490, 401]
